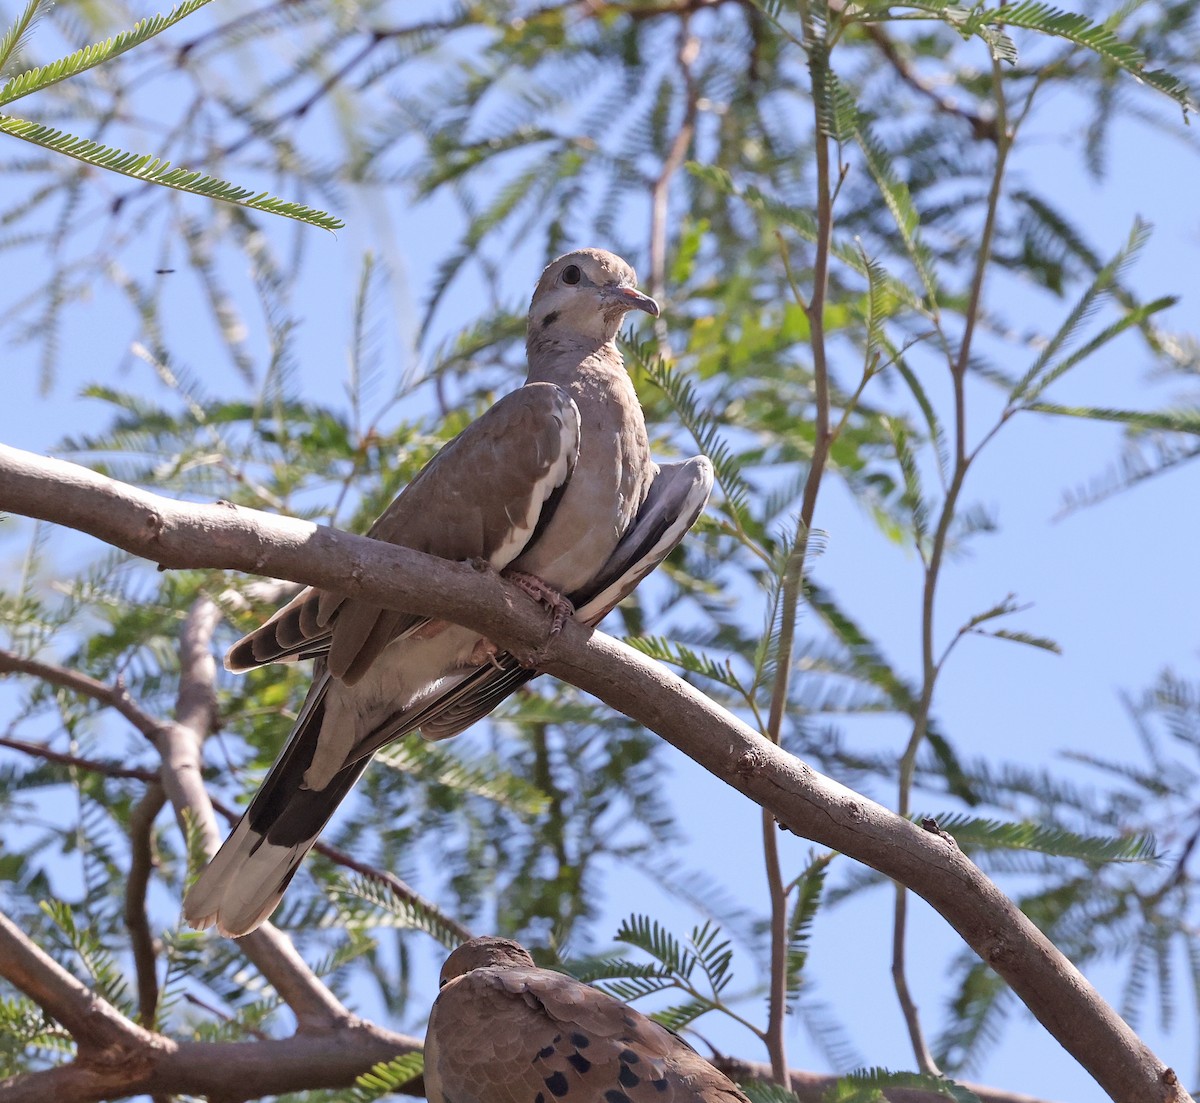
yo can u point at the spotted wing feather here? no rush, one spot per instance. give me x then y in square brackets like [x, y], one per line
[517, 1035]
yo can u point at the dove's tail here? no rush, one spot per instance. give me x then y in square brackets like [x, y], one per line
[246, 878]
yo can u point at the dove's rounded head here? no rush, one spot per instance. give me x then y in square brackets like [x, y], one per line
[482, 953]
[582, 297]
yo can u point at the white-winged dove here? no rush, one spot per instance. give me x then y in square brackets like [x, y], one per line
[504, 1031]
[553, 485]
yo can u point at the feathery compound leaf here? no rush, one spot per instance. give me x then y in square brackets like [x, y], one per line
[809, 887]
[387, 1078]
[1035, 380]
[899, 202]
[714, 956]
[762, 1091]
[406, 914]
[866, 1086]
[90, 56]
[678, 1016]
[707, 432]
[646, 934]
[1171, 421]
[482, 778]
[95, 957]
[1043, 643]
[667, 651]
[913, 497]
[805, 224]
[996, 834]
[145, 167]
[1046, 19]
[14, 38]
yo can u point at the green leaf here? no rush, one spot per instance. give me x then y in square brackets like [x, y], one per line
[765, 1091]
[973, 831]
[867, 1086]
[667, 651]
[913, 497]
[483, 777]
[809, 887]
[898, 200]
[847, 251]
[1170, 421]
[1040, 374]
[387, 1077]
[145, 167]
[34, 80]
[14, 38]
[1044, 643]
[95, 957]
[411, 913]
[646, 934]
[1097, 37]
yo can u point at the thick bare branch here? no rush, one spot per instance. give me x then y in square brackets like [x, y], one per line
[137, 922]
[218, 1070]
[94, 1023]
[805, 802]
[316, 1008]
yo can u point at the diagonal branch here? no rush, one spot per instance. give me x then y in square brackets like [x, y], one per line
[811, 1087]
[174, 534]
[93, 1022]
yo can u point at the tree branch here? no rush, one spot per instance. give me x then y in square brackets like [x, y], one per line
[159, 1066]
[179, 535]
[137, 922]
[811, 1087]
[94, 1023]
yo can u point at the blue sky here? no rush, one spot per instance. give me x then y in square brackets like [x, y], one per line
[1114, 584]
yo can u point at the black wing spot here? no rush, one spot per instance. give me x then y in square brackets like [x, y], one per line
[660, 1085]
[539, 1098]
[613, 1096]
[557, 1084]
[580, 1041]
[628, 1057]
[579, 1063]
[628, 1078]
[543, 1054]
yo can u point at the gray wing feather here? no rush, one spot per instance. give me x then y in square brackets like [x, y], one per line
[677, 497]
[481, 497]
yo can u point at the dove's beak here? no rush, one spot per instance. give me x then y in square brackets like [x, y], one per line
[631, 299]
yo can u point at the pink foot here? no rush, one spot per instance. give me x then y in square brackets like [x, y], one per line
[560, 606]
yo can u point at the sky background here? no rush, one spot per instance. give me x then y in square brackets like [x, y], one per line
[1114, 584]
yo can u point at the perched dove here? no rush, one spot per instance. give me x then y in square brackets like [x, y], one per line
[504, 1031]
[555, 486]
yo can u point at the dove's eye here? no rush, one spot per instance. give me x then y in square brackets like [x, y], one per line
[571, 274]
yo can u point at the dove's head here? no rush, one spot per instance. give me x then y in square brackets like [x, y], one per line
[581, 299]
[480, 953]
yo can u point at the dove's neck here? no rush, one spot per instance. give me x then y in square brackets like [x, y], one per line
[562, 358]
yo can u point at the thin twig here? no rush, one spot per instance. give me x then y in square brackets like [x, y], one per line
[930, 665]
[660, 191]
[91, 765]
[793, 578]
